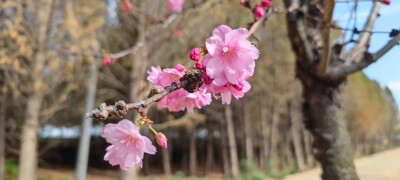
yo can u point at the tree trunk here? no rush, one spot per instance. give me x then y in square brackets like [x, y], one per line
[84, 142]
[232, 141]
[3, 110]
[247, 131]
[273, 132]
[192, 152]
[210, 151]
[308, 147]
[323, 102]
[28, 154]
[296, 135]
[224, 151]
[166, 158]
[264, 126]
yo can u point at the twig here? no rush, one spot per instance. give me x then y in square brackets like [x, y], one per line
[190, 81]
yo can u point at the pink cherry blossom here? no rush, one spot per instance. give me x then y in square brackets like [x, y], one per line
[179, 99]
[161, 140]
[175, 5]
[259, 12]
[127, 6]
[227, 90]
[195, 54]
[128, 145]
[230, 57]
[266, 3]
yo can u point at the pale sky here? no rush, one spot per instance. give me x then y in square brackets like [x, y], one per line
[387, 70]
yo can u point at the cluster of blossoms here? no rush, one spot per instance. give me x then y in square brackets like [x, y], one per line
[225, 62]
[228, 61]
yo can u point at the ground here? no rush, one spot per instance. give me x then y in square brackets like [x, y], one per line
[381, 166]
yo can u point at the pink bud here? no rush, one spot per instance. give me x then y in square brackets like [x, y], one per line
[387, 2]
[179, 67]
[266, 3]
[195, 54]
[178, 32]
[161, 140]
[106, 61]
[127, 6]
[199, 64]
[258, 12]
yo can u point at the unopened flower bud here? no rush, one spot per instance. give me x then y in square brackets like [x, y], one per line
[258, 12]
[266, 3]
[179, 67]
[387, 2]
[199, 65]
[195, 54]
[161, 140]
[106, 61]
[127, 6]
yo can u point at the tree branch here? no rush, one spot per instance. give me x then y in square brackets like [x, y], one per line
[366, 60]
[164, 24]
[190, 81]
[328, 12]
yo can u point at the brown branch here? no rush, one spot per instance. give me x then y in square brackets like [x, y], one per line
[328, 13]
[191, 81]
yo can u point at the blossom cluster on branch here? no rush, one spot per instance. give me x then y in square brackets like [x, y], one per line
[223, 65]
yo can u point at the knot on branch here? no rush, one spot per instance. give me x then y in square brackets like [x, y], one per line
[155, 90]
[120, 109]
[101, 112]
[194, 80]
[368, 57]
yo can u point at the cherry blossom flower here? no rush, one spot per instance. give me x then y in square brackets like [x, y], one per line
[179, 99]
[258, 11]
[128, 145]
[161, 140]
[229, 62]
[230, 57]
[175, 5]
[266, 3]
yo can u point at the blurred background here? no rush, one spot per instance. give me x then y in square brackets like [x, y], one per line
[51, 54]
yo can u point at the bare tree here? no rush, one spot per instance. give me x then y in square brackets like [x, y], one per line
[323, 70]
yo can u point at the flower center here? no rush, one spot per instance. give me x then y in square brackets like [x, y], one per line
[226, 50]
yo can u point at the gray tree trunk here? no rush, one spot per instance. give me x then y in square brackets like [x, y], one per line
[232, 141]
[28, 153]
[296, 135]
[247, 131]
[192, 152]
[329, 128]
[210, 151]
[224, 151]
[264, 126]
[273, 132]
[84, 142]
[3, 110]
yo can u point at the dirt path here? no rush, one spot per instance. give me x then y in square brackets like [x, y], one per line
[381, 166]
